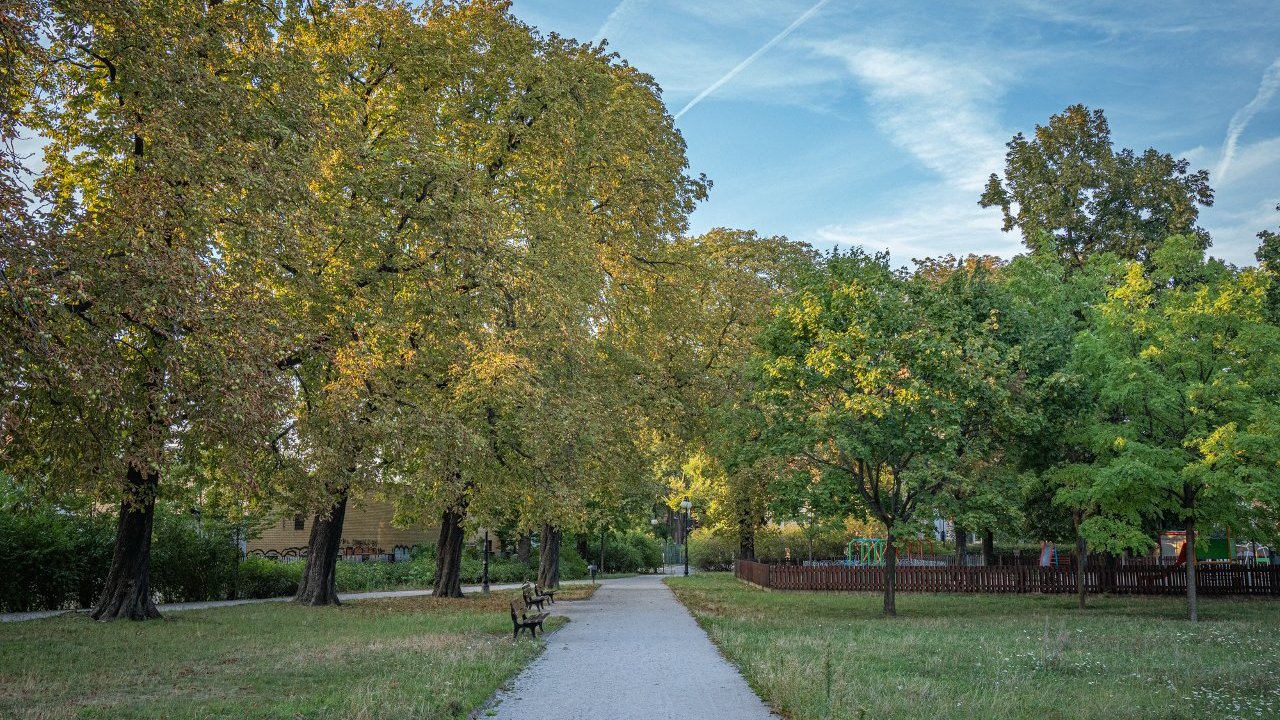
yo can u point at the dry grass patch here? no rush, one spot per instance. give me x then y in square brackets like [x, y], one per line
[410, 657]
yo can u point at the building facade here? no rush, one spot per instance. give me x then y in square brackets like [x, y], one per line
[367, 534]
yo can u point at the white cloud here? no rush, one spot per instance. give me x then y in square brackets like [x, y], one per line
[931, 221]
[941, 111]
[1266, 90]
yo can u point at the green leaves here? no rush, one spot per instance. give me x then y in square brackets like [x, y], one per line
[1072, 196]
[896, 381]
[1172, 357]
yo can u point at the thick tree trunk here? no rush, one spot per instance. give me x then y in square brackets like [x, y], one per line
[1082, 558]
[549, 557]
[988, 548]
[448, 582]
[1193, 609]
[127, 593]
[523, 545]
[962, 541]
[747, 545]
[318, 585]
[746, 538]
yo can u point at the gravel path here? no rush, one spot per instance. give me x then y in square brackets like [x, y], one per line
[631, 652]
[205, 605]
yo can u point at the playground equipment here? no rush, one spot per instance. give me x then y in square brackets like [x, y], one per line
[870, 551]
[1048, 554]
[1221, 549]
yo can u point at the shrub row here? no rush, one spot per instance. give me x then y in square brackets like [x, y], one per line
[60, 560]
[627, 552]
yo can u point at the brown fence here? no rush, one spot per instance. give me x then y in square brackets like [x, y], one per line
[1135, 580]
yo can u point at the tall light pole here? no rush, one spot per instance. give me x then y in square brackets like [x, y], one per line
[485, 588]
[686, 505]
[653, 521]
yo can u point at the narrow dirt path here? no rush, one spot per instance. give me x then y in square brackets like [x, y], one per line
[631, 652]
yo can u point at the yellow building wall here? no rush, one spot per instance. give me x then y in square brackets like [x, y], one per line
[366, 530]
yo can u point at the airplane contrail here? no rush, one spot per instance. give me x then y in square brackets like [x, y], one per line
[1266, 89]
[751, 58]
[609, 21]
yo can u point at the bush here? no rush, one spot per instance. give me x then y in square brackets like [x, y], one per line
[627, 552]
[263, 578]
[55, 560]
[191, 559]
[772, 544]
[710, 551]
[572, 566]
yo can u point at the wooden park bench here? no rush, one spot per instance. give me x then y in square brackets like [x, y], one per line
[523, 620]
[548, 594]
[531, 598]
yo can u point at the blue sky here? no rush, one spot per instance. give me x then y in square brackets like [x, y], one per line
[876, 123]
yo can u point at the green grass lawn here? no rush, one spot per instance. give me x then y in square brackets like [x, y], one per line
[990, 657]
[397, 658]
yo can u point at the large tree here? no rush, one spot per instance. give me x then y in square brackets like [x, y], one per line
[142, 336]
[1072, 195]
[1181, 358]
[873, 375]
[582, 177]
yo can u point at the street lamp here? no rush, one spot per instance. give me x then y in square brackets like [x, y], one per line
[654, 522]
[485, 579]
[686, 505]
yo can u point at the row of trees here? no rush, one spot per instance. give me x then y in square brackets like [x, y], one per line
[296, 254]
[1108, 384]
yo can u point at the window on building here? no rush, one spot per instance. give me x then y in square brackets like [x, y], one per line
[299, 522]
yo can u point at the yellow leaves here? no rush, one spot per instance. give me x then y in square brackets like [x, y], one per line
[1135, 291]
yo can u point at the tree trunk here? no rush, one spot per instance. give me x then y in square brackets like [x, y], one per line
[890, 574]
[448, 582]
[746, 538]
[127, 593]
[602, 542]
[318, 585]
[549, 558]
[523, 545]
[747, 544]
[1193, 609]
[1082, 558]
[962, 540]
[988, 548]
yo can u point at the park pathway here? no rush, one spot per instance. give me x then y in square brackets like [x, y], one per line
[209, 604]
[630, 652]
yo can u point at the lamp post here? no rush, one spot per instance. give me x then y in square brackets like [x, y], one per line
[653, 521]
[485, 580]
[686, 505]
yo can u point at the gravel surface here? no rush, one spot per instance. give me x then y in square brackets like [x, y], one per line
[630, 652]
[205, 605]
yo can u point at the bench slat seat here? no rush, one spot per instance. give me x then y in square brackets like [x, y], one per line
[525, 621]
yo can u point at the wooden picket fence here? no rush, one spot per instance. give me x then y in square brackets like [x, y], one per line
[1131, 580]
